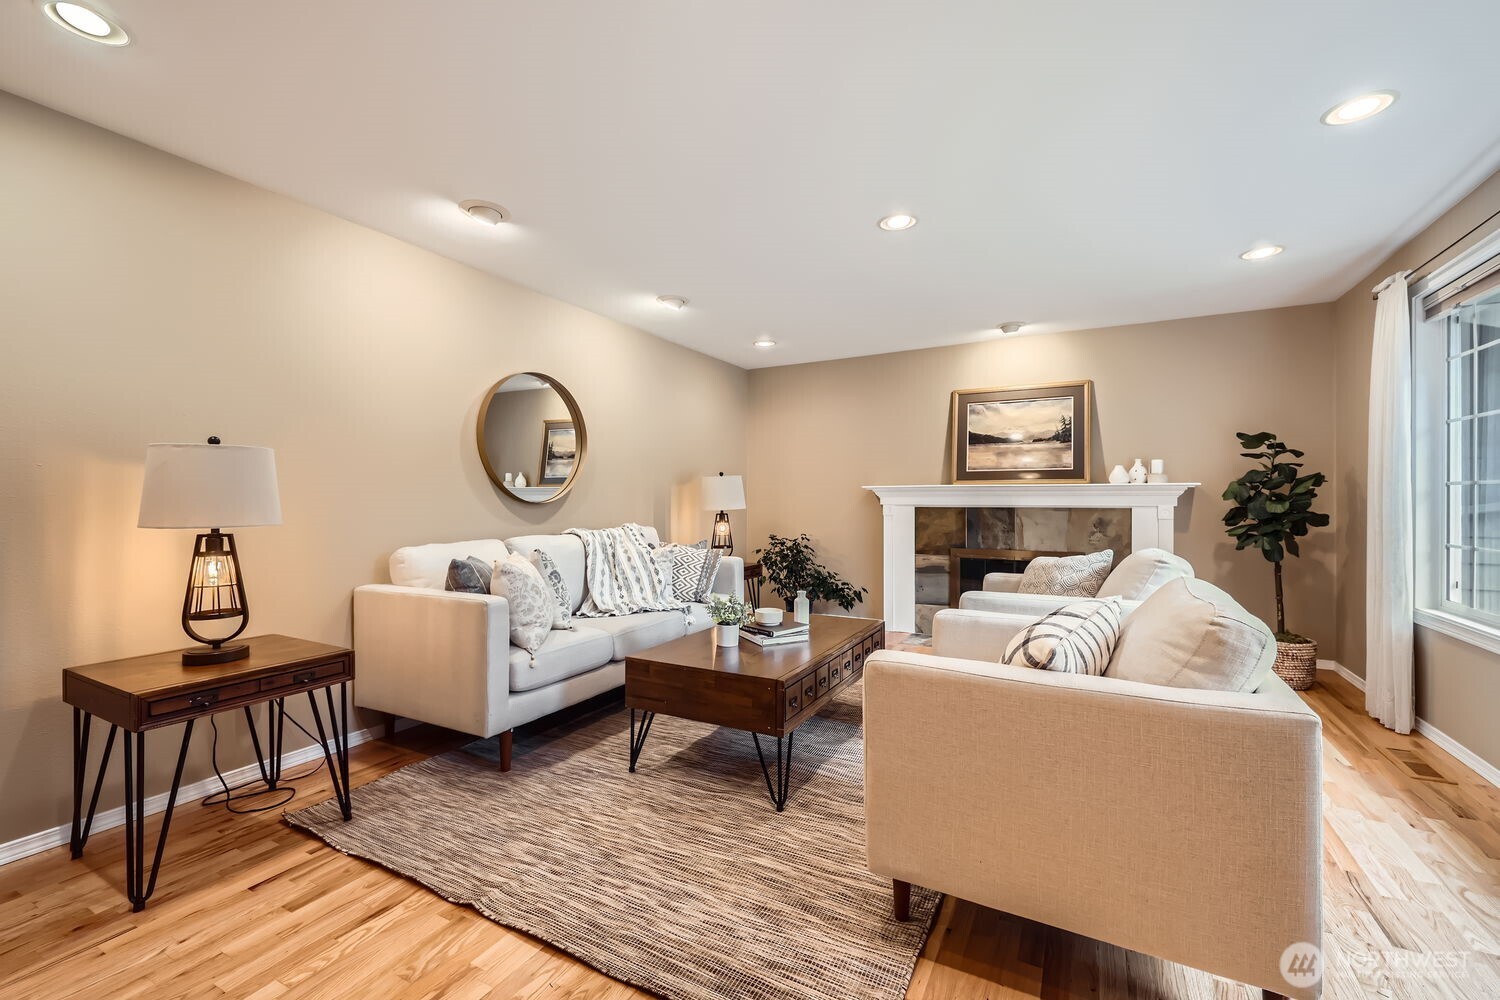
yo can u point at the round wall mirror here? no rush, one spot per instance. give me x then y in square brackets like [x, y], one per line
[531, 437]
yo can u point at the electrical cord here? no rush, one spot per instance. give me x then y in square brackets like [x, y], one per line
[227, 797]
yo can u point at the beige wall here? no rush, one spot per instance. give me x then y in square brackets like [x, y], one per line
[1457, 684]
[1177, 390]
[148, 299]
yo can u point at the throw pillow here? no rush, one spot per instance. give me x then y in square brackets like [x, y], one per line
[469, 576]
[689, 570]
[1143, 573]
[1191, 634]
[553, 578]
[532, 607]
[1067, 576]
[1075, 639]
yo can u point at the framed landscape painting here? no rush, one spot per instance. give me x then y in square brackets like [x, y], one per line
[1019, 434]
[559, 451]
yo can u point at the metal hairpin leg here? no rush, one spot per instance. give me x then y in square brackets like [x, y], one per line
[338, 757]
[270, 767]
[638, 740]
[137, 885]
[783, 769]
[82, 823]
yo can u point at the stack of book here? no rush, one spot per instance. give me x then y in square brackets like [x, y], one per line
[775, 635]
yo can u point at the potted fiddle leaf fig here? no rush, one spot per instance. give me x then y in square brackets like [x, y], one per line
[1272, 507]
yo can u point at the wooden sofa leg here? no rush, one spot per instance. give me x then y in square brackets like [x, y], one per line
[505, 741]
[901, 891]
[388, 730]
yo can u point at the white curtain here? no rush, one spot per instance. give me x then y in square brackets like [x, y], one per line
[1389, 694]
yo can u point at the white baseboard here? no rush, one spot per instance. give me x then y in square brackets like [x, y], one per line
[1489, 772]
[43, 840]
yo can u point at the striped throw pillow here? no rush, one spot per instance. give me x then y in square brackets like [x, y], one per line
[1075, 639]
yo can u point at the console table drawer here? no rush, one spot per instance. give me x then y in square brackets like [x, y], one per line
[307, 675]
[197, 701]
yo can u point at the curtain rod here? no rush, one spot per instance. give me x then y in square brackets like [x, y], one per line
[1482, 223]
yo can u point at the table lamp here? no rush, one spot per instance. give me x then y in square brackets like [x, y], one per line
[211, 486]
[723, 494]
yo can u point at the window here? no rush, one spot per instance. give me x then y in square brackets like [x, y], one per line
[1471, 561]
[1456, 459]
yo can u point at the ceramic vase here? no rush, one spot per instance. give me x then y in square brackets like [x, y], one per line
[802, 608]
[521, 479]
[1138, 472]
[726, 635]
[1118, 475]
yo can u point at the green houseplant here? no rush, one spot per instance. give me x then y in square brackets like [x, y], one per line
[1272, 507]
[790, 564]
[728, 614]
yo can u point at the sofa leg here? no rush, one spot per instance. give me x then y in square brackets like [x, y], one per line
[901, 892]
[505, 741]
[388, 729]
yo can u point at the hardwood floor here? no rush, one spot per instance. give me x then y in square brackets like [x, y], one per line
[250, 908]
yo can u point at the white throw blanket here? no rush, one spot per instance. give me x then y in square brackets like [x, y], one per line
[622, 573]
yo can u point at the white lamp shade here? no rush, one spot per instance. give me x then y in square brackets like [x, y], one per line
[209, 486]
[723, 493]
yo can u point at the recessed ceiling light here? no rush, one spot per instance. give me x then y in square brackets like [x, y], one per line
[86, 23]
[1014, 326]
[1261, 253]
[896, 223]
[1357, 109]
[486, 212]
[765, 342]
[673, 302]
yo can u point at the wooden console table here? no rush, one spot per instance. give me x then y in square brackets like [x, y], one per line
[154, 691]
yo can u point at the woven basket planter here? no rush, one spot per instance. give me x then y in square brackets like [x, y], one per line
[1297, 664]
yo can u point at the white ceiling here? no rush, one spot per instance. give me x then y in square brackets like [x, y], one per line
[1076, 164]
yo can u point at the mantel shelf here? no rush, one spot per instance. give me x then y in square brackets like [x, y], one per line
[1033, 494]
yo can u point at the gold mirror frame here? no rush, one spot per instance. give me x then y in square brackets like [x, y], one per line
[579, 429]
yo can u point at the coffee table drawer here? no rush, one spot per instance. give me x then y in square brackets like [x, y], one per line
[824, 683]
[800, 693]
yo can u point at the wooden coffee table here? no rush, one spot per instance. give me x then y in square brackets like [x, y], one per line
[768, 691]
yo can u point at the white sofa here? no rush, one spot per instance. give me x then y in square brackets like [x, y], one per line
[446, 658]
[1137, 577]
[1175, 821]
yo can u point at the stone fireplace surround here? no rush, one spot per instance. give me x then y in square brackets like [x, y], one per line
[1152, 508]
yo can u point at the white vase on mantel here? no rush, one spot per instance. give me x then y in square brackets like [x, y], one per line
[1138, 472]
[521, 479]
[1119, 476]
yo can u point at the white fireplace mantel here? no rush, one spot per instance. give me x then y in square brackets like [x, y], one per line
[1152, 514]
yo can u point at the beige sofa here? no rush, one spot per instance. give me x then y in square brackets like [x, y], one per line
[445, 658]
[1178, 822]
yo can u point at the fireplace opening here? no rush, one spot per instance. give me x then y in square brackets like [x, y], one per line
[967, 567]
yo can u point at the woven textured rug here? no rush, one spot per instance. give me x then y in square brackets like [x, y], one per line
[681, 879]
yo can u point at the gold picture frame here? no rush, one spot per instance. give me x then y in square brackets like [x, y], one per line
[1023, 433]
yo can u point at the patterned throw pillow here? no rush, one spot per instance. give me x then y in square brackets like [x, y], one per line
[689, 570]
[553, 578]
[469, 576]
[1076, 639]
[532, 606]
[1067, 576]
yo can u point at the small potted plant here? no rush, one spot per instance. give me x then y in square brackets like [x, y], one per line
[790, 566]
[728, 614]
[1272, 508]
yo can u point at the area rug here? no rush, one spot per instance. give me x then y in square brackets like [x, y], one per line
[680, 879]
